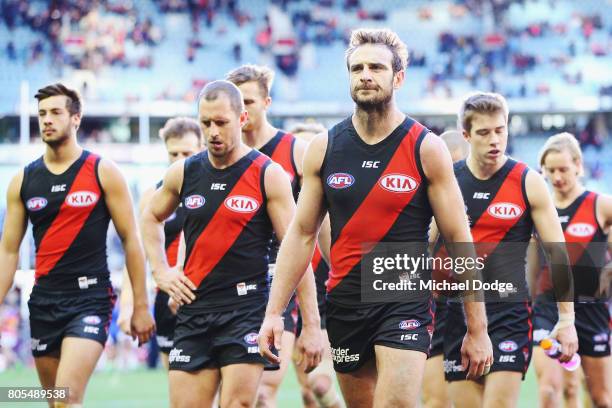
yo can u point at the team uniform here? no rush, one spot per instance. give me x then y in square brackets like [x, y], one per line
[280, 149]
[587, 246]
[437, 340]
[321, 273]
[165, 320]
[227, 232]
[500, 220]
[383, 202]
[72, 294]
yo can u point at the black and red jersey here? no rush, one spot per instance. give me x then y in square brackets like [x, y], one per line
[70, 223]
[227, 230]
[500, 220]
[586, 245]
[321, 272]
[172, 232]
[374, 194]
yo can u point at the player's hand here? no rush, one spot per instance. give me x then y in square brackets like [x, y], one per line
[173, 306]
[310, 347]
[270, 334]
[568, 338]
[143, 325]
[124, 321]
[176, 285]
[476, 353]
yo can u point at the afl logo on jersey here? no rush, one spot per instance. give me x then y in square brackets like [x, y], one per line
[36, 203]
[505, 211]
[81, 199]
[409, 324]
[339, 181]
[250, 338]
[194, 201]
[398, 183]
[241, 204]
[508, 346]
[580, 229]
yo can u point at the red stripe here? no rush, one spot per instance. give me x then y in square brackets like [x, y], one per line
[282, 155]
[376, 214]
[530, 335]
[69, 220]
[225, 226]
[584, 214]
[172, 250]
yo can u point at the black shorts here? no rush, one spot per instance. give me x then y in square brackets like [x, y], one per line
[216, 339]
[55, 315]
[592, 325]
[437, 340]
[353, 332]
[164, 322]
[509, 327]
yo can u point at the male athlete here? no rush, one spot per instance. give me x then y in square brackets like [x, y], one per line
[504, 200]
[70, 195]
[233, 198]
[586, 218]
[381, 176]
[435, 388]
[255, 84]
[182, 138]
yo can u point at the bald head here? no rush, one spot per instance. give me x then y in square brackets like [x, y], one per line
[457, 145]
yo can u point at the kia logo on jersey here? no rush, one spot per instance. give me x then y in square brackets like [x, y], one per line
[505, 211]
[508, 346]
[580, 229]
[398, 183]
[194, 201]
[241, 204]
[36, 203]
[81, 199]
[409, 324]
[340, 180]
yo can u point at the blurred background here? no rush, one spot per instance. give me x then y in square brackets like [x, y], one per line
[138, 63]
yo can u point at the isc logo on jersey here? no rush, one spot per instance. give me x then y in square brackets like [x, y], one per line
[580, 229]
[36, 203]
[398, 183]
[508, 346]
[340, 180]
[81, 199]
[505, 211]
[409, 324]
[241, 204]
[194, 201]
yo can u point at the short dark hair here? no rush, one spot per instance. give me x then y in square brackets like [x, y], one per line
[74, 104]
[212, 90]
[176, 128]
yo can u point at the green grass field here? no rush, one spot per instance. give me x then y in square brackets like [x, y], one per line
[149, 389]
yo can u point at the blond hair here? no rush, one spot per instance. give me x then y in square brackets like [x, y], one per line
[382, 36]
[177, 128]
[487, 103]
[562, 142]
[263, 75]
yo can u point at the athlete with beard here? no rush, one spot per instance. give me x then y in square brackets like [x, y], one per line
[70, 195]
[354, 172]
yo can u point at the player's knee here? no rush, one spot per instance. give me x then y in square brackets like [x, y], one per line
[570, 391]
[265, 396]
[601, 399]
[308, 398]
[320, 385]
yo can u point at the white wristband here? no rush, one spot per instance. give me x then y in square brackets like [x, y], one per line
[565, 320]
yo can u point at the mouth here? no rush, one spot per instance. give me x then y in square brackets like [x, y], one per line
[215, 143]
[494, 152]
[48, 131]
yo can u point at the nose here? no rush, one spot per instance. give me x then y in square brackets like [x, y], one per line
[213, 130]
[366, 75]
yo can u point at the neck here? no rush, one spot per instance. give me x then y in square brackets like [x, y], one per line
[256, 138]
[376, 124]
[561, 198]
[482, 170]
[230, 158]
[66, 152]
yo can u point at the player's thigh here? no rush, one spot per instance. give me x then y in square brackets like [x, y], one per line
[358, 386]
[435, 388]
[78, 360]
[46, 367]
[239, 384]
[466, 394]
[273, 378]
[193, 388]
[400, 375]
[502, 389]
[598, 374]
[548, 371]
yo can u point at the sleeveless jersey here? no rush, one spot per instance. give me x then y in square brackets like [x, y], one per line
[374, 194]
[499, 213]
[227, 231]
[70, 223]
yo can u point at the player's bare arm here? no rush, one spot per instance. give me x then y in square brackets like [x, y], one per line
[448, 209]
[296, 248]
[604, 217]
[162, 204]
[15, 225]
[119, 205]
[549, 230]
